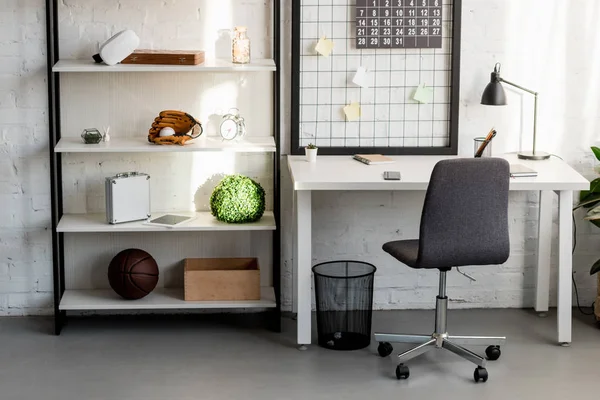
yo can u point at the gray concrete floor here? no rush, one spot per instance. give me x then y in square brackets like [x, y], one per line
[212, 358]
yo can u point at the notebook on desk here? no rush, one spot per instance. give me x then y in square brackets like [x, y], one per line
[519, 170]
[373, 159]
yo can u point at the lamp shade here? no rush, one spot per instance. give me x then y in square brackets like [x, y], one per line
[494, 95]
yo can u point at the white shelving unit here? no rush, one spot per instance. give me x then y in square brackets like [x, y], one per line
[160, 298]
[141, 145]
[259, 65]
[87, 80]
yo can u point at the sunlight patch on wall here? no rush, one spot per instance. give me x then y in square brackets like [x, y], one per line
[217, 19]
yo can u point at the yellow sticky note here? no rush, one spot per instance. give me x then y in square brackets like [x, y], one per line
[324, 46]
[423, 94]
[352, 112]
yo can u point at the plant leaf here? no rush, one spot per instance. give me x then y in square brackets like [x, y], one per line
[595, 268]
[596, 151]
[595, 186]
[596, 222]
[588, 201]
[583, 194]
[594, 210]
[592, 217]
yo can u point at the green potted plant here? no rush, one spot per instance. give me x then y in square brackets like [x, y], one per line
[311, 152]
[590, 200]
[237, 199]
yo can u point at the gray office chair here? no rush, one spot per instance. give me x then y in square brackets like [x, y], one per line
[464, 222]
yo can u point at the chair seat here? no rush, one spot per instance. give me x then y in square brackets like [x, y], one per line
[405, 251]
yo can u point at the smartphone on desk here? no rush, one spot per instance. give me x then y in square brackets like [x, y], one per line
[391, 175]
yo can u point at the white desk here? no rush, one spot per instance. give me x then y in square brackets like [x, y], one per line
[343, 173]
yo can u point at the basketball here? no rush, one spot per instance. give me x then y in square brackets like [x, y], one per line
[133, 274]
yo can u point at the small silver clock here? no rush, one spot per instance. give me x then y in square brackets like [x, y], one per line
[232, 125]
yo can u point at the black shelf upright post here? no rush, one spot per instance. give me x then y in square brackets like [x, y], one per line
[276, 314]
[58, 260]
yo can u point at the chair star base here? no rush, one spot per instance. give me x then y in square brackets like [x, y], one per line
[440, 339]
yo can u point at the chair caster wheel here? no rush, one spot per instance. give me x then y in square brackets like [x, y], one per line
[402, 372]
[480, 374]
[493, 353]
[384, 349]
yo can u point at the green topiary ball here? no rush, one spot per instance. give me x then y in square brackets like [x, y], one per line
[237, 199]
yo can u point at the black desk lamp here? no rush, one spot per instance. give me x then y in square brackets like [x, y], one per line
[494, 95]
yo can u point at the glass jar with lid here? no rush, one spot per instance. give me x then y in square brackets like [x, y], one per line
[240, 47]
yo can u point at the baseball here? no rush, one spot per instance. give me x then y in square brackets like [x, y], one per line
[166, 132]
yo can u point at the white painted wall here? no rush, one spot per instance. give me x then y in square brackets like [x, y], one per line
[544, 45]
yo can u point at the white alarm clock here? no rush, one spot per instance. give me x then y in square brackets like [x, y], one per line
[232, 125]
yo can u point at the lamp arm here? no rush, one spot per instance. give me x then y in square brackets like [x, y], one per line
[518, 86]
[535, 107]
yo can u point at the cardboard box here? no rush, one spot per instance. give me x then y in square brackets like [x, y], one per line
[212, 279]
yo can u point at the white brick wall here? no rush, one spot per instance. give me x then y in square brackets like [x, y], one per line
[541, 44]
[25, 250]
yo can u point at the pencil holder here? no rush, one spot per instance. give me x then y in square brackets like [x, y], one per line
[478, 151]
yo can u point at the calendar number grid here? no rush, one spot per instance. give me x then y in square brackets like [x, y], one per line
[399, 23]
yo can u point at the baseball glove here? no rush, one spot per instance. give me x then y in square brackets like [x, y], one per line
[185, 126]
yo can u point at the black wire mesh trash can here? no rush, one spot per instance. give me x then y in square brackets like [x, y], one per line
[344, 295]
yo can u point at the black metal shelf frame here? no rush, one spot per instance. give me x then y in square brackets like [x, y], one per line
[54, 133]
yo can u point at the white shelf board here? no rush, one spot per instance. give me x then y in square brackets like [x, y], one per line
[204, 221]
[215, 65]
[159, 299]
[259, 144]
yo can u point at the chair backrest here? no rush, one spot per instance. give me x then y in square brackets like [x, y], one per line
[465, 214]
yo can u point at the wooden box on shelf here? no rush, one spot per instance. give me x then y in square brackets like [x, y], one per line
[213, 279]
[168, 57]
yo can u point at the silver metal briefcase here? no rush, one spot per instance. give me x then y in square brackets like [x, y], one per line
[127, 197]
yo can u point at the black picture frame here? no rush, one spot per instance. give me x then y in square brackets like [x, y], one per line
[451, 149]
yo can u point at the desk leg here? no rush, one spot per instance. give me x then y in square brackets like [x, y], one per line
[294, 254]
[565, 266]
[542, 286]
[303, 245]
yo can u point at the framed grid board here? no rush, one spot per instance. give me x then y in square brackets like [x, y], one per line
[391, 121]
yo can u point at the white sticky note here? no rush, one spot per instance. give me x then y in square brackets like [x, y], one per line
[324, 46]
[361, 77]
[352, 112]
[423, 94]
